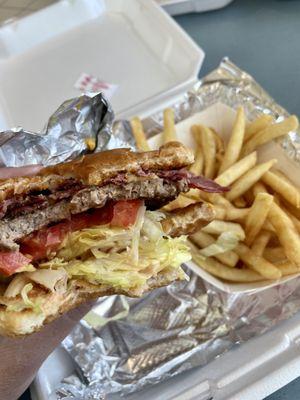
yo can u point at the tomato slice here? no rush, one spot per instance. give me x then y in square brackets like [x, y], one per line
[99, 216]
[40, 244]
[11, 261]
[78, 222]
[125, 212]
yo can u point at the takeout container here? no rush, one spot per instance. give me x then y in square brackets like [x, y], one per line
[221, 117]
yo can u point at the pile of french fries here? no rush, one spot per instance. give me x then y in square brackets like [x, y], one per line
[262, 208]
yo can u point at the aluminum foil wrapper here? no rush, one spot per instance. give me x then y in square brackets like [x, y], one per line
[65, 134]
[187, 324]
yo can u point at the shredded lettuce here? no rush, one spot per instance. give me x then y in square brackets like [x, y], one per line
[120, 270]
[109, 255]
[26, 268]
[225, 242]
[120, 258]
[16, 285]
[152, 228]
[104, 237]
[35, 306]
[217, 227]
[136, 234]
[17, 307]
[26, 302]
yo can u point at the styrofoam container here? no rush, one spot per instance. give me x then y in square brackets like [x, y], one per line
[131, 43]
[176, 7]
[221, 118]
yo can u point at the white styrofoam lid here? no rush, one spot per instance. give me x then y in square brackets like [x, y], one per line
[136, 46]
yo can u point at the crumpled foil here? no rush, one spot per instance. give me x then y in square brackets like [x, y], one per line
[65, 134]
[186, 324]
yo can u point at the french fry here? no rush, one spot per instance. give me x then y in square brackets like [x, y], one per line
[282, 175]
[139, 134]
[219, 199]
[211, 197]
[293, 210]
[248, 179]
[230, 213]
[169, 132]
[269, 227]
[197, 167]
[196, 133]
[274, 254]
[286, 232]
[90, 143]
[259, 187]
[220, 148]
[219, 270]
[216, 199]
[269, 133]
[240, 202]
[257, 216]
[235, 143]
[288, 191]
[257, 125]
[257, 263]
[180, 202]
[224, 207]
[202, 240]
[194, 194]
[217, 227]
[261, 242]
[288, 268]
[221, 212]
[233, 214]
[206, 137]
[295, 220]
[236, 170]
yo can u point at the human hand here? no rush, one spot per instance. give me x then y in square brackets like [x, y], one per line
[22, 357]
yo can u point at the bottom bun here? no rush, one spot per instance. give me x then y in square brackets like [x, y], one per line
[53, 305]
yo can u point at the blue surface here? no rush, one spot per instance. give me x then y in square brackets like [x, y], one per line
[289, 392]
[263, 38]
[260, 36]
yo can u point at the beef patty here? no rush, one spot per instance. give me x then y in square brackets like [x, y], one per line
[16, 228]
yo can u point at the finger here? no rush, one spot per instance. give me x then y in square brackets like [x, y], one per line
[12, 172]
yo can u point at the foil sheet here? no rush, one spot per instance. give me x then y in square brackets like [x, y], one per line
[167, 332]
[187, 324]
[65, 134]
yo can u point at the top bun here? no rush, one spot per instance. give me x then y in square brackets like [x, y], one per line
[96, 168]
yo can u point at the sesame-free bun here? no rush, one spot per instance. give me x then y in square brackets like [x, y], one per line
[96, 168]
